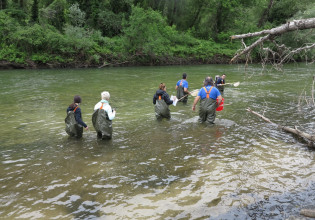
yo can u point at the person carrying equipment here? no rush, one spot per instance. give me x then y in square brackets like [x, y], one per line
[161, 100]
[182, 89]
[74, 123]
[208, 104]
[220, 83]
[103, 116]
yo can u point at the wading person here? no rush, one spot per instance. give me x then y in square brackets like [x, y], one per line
[161, 100]
[74, 123]
[182, 89]
[208, 96]
[103, 116]
[220, 83]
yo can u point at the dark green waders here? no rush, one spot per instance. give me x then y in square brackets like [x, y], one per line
[102, 124]
[72, 127]
[162, 110]
[207, 110]
[181, 93]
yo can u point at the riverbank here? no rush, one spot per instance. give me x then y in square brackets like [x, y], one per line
[138, 61]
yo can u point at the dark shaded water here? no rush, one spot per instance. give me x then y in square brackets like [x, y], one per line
[240, 168]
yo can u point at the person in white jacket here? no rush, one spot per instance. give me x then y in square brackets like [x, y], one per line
[104, 104]
[103, 116]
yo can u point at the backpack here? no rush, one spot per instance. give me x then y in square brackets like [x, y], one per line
[72, 126]
[102, 124]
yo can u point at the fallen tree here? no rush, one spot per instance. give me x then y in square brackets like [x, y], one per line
[295, 131]
[282, 52]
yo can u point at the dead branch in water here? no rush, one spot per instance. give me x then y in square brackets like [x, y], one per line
[284, 128]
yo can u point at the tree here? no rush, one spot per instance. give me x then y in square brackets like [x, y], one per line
[76, 16]
[34, 17]
[54, 14]
[3, 4]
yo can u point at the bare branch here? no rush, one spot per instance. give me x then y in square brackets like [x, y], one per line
[285, 128]
[249, 48]
[291, 53]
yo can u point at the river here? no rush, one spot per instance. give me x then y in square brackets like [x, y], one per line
[240, 168]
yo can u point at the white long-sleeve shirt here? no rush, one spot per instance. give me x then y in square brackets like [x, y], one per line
[111, 114]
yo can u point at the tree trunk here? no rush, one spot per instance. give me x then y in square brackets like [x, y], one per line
[284, 128]
[265, 15]
[290, 26]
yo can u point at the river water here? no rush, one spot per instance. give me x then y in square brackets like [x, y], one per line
[240, 168]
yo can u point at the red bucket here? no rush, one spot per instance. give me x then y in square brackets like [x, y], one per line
[220, 107]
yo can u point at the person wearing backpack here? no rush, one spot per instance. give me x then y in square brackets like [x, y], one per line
[208, 104]
[103, 116]
[74, 122]
[182, 89]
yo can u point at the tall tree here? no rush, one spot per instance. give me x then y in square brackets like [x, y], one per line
[34, 16]
[265, 14]
[3, 4]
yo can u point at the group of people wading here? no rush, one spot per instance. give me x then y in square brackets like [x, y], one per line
[209, 96]
[101, 118]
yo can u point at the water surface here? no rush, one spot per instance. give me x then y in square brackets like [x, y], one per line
[242, 167]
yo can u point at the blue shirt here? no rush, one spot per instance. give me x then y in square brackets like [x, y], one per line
[184, 83]
[213, 94]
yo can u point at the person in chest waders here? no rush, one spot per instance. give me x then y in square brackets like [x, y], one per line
[74, 123]
[161, 100]
[208, 96]
[103, 116]
[220, 82]
[182, 89]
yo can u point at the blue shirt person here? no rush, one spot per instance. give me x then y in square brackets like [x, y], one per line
[182, 89]
[208, 96]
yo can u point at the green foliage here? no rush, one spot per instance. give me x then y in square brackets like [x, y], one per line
[12, 54]
[54, 14]
[145, 31]
[76, 16]
[283, 10]
[8, 25]
[35, 11]
[110, 23]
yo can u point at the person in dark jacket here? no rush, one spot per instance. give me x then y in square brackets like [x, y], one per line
[220, 83]
[161, 100]
[75, 109]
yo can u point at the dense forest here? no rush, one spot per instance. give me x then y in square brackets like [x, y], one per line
[86, 33]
